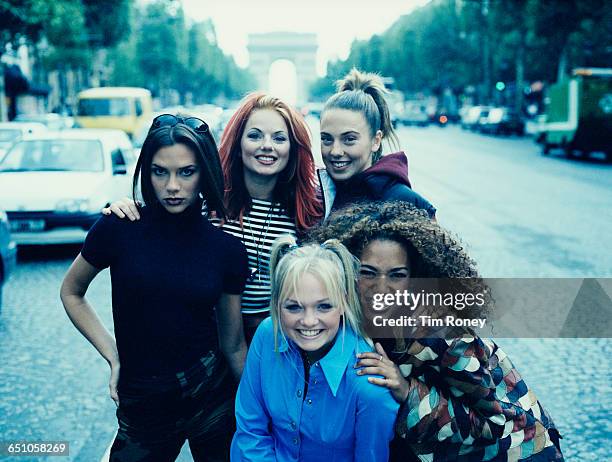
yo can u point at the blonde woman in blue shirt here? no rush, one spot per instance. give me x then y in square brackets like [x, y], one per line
[299, 399]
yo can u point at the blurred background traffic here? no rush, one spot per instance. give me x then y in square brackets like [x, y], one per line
[504, 110]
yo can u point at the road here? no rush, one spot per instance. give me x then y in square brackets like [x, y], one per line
[520, 215]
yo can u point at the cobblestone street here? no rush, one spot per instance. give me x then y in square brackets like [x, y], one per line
[54, 384]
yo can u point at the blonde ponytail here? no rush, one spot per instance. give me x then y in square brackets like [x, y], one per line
[365, 92]
[330, 262]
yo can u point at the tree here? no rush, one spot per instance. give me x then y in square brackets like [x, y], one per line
[575, 23]
[21, 19]
[459, 44]
[59, 23]
[124, 64]
[159, 44]
[166, 54]
[107, 22]
[18, 20]
[65, 33]
[510, 34]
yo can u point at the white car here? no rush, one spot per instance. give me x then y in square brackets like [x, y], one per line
[472, 116]
[8, 252]
[53, 186]
[50, 120]
[11, 132]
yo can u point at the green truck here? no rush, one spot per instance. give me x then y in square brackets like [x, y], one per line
[579, 114]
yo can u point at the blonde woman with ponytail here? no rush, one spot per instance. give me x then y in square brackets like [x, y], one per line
[355, 123]
[299, 398]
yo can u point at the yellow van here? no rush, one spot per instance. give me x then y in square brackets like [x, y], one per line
[124, 108]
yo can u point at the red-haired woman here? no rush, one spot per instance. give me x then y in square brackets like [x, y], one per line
[270, 189]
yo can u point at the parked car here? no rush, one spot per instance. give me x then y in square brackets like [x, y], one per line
[123, 108]
[579, 114]
[211, 114]
[11, 132]
[482, 119]
[8, 252]
[415, 113]
[139, 137]
[395, 99]
[314, 109]
[472, 117]
[224, 119]
[54, 185]
[503, 121]
[50, 120]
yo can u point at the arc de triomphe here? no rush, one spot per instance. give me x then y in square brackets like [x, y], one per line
[299, 48]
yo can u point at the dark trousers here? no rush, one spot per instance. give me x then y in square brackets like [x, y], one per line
[156, 415]
[251, 322]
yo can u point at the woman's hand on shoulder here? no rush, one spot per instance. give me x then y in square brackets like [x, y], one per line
[125, 207]
[378, 363]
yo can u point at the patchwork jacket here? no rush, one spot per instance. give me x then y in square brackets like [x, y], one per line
[467, 402]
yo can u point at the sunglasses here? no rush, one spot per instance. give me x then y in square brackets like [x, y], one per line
[169, 120]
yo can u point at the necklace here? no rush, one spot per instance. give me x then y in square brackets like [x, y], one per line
[260, 242]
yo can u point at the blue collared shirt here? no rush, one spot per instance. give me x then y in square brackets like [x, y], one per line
[343, 417]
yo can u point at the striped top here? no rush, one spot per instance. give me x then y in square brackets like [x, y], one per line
[261, 226]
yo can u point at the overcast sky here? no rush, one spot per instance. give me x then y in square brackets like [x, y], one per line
[336, 22]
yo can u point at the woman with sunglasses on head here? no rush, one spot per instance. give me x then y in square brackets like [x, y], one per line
[172, 366]
[461, 397]
[354, 123]
[298, 399]
[270, 189]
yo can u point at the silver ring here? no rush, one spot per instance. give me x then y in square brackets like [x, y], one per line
[381, 358]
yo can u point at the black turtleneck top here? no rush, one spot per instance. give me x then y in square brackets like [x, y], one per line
[167, 273]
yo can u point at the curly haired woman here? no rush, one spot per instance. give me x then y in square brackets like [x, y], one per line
[461, 397]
